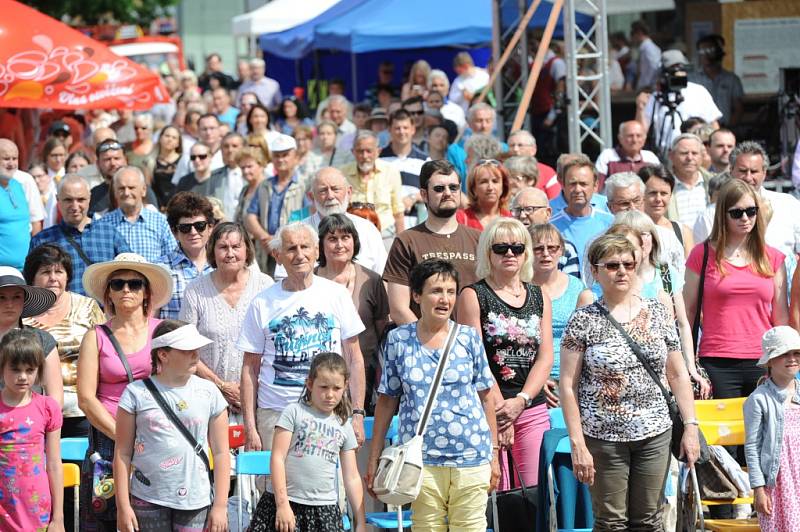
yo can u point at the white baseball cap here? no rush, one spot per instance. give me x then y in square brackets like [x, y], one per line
[282, 143]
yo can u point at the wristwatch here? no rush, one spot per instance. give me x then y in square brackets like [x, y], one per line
[526, 397]
[359, 412]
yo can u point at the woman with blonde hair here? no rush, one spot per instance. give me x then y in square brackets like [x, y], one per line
[514, 319]
[744, 291]
[488, 190]
[417, 80]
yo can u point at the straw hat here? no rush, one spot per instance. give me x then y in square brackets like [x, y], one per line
[37, 300]
[95, 278]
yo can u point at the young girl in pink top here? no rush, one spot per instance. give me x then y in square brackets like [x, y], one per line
[31, 489]
[744, 291]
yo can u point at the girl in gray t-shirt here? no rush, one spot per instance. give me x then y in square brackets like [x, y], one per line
[170, 488]
[311, 437]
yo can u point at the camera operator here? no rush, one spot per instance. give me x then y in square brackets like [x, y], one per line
[725, 86]
[676, 99]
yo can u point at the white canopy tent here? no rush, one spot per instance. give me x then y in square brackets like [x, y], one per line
[278, 15]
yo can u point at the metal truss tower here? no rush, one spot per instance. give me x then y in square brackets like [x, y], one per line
[588, 92]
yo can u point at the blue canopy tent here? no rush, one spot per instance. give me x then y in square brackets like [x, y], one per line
[412, 29]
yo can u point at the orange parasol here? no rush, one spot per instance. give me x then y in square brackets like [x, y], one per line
[46, 64]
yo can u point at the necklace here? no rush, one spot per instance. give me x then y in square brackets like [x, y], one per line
[520, 290]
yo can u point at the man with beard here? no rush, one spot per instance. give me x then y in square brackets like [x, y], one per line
[378, 183]
[439, 236]
[331, 194]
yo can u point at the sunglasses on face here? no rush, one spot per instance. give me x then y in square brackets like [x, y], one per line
[629, 265]
[502, 249]
[201, 156]
[187, 228]
[416, 113]
[452, 187]
[736, 214]
[552, 250]
[134, 285]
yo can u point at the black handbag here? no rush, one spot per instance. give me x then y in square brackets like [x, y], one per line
[513, 510]
[672, 404]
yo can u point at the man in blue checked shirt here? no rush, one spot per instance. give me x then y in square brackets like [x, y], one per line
[85, 240]
[145, 229]
[191, 217]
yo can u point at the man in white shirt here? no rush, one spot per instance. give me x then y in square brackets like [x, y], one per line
[208, 128]
[749, 162]
[232, 145]
[690, 197]
[469, 81]
[629, 155]
[438, 82]
[9, 165]
[651, 110]
[338, 108]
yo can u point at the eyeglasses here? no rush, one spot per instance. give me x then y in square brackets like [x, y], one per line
[187, 228]
[493, 162]
[111, 146]
[528, 210]
[452, 187]
[551, 250]
[627, 204]
[502, 249]
[614, 266]
[736, 214]
[201, 156]
[134, 285]
[362, 205]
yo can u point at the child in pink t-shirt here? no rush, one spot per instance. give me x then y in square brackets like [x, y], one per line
[31, 482]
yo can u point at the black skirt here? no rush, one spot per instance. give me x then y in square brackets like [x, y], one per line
[307, 518]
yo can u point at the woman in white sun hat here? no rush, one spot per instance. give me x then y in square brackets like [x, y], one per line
[167, 417]
[772, 430]
[111, 356]
[20, 300]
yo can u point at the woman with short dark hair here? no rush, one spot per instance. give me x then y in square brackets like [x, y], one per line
[216, 303]
[338, 245]
[659, 185]
[68, 320]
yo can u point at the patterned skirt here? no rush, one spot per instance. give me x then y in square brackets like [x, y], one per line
[307, 518]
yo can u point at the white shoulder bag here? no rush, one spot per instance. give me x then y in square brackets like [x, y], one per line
[398, 479]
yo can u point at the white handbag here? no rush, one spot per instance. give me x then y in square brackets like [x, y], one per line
[398, 479]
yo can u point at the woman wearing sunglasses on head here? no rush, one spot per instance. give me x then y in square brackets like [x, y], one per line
[514, 319]
[488, 190]
[744, 291]
[617, 418]
[191, 218]
[111, 356]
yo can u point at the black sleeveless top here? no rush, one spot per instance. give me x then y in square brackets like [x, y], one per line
[511, 336]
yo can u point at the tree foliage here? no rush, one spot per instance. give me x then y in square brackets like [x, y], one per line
[89, 12]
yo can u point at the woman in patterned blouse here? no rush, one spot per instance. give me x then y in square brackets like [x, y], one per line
[617, 418]
[514, 319]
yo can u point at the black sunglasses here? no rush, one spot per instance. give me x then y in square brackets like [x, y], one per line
[502, 249]
[751, 212]
[415, 113]
[196, 156]
[441, 188]
[134, 285]
[187, 228]
[629, 265]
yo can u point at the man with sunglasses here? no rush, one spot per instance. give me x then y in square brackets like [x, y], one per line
[378, 182]
[191, 218]
[110, 158]
[413, 106]
[86, 241]
[146, 230]
[439, 236]
[749, 162]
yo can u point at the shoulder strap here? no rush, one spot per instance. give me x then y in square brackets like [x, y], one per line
[437, 380]
[699, 305]
[74, 243]
[118, 349]
[636, 351]
[198, 449]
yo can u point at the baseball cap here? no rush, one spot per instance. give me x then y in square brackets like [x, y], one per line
[670, 58]
[282, 143]
[58, 127]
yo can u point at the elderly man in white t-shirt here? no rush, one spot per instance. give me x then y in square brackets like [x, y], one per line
[286, 326]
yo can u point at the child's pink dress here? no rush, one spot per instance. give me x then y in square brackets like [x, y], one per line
[24, 487]
[785, 495]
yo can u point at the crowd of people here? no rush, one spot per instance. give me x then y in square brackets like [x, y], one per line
[231, 258]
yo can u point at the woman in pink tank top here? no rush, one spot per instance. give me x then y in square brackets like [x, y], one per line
[112, 355]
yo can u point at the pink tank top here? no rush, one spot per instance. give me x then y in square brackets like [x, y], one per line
[113, 379]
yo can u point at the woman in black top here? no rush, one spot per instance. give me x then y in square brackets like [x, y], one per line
[514, 318]
[170, 148]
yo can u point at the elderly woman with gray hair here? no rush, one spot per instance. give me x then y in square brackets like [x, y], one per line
[522, 172]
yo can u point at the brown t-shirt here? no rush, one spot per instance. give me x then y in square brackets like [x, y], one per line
[420, 243]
